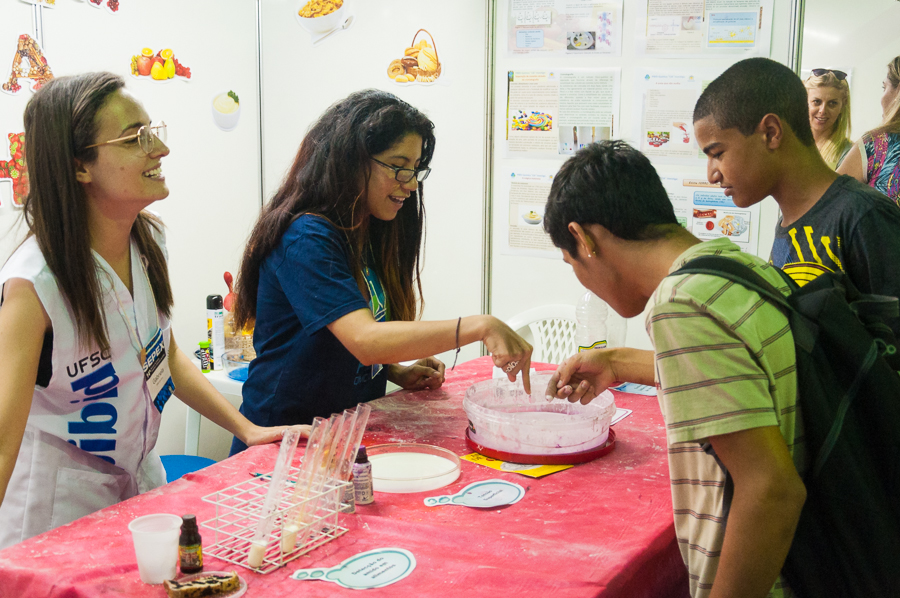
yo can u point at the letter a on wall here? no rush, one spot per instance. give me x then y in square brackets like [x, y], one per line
[29, 63]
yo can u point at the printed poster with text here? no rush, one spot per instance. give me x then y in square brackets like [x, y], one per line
[704, 28]
[665, 129]
[554, 113]
[524, 226]
[575, 27]
[708, 213]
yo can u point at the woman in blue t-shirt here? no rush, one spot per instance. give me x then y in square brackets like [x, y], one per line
[330, 275]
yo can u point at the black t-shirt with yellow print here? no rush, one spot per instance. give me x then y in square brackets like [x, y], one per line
[852, 228]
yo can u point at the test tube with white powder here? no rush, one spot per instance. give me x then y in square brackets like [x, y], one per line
[273, 496]
[314, 448]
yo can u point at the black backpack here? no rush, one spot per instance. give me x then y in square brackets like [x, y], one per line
[847, 541]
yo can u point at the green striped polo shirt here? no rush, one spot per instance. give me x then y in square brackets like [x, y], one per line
[724, 363]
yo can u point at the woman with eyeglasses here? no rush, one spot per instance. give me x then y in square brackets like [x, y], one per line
[330, 275]
[875, 158]
[829, 113]
[87, 358]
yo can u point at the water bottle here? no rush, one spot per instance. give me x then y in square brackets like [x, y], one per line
[597, 325]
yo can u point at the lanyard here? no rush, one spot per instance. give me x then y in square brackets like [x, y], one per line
[134, 336]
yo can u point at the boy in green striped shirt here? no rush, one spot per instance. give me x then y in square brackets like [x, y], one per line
[723, 362]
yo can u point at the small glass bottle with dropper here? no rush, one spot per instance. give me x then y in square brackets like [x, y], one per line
[190, 546]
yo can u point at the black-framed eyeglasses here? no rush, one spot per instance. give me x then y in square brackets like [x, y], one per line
[146, 137]
[405, 175]
[839, 75]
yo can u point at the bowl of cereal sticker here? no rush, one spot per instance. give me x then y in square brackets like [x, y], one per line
[321, 16]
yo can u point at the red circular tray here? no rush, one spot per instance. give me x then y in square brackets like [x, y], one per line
[561, 459]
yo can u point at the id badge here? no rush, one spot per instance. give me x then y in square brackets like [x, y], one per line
[156, 371]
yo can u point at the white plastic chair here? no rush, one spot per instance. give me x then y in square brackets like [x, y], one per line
[550, 329]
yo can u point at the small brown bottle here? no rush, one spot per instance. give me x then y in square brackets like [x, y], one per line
[190, 546]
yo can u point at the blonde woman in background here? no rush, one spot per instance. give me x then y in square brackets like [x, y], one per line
[875, 158]
[829, 113]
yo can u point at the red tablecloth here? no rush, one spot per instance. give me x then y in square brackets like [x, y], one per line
[599, 529]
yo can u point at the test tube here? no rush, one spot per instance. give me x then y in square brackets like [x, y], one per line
[315, 447]
[276, 486]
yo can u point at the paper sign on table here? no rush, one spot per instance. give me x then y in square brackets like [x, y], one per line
[532, 471]
[619, 415]
[365, 571]
[636, 389]
[482, 495]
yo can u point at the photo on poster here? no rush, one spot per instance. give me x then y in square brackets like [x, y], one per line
[226, 110]
[159, 67]
[524, 231]
[324, 18]
[555, 113]
[29, 66]
[13, 170]
[419, 65]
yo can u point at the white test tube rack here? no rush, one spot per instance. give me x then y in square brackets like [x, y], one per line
[238, 511]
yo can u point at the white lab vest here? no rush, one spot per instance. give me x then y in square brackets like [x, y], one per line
[89, 439]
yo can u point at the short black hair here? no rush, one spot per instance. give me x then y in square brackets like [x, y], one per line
[611, 184]
[740, 97]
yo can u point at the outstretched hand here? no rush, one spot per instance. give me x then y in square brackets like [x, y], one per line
[582, 377]
[509, 351]
[424, 374]
[260, 435]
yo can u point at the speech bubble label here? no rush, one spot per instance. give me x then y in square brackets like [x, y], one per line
[365, 571]
[481, 495]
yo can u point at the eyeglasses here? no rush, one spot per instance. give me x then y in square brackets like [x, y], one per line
[839, 75]
[405, 175]
[146, 137]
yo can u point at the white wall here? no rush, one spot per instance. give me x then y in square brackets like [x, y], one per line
[520, 283]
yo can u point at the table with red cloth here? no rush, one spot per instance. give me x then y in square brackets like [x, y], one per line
[603, 528]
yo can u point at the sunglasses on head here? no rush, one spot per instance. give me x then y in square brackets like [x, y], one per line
[839, 75]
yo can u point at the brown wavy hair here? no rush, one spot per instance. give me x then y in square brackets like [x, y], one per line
[61, 120]
[335, 152]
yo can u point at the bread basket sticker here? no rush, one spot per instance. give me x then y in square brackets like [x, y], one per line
[420, 62]
[160, 67]
[29, 67]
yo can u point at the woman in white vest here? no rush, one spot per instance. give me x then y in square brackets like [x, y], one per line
[87, 358]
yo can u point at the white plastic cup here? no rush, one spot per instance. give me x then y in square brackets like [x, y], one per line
[156, 546]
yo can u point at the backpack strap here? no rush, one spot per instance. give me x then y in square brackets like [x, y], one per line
[723, 267]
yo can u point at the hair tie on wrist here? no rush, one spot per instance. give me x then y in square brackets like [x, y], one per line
[455, 357]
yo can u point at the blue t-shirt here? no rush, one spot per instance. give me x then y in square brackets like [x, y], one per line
[302, 370]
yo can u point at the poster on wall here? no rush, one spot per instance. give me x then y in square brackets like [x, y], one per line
[708, 213]
[13, 170]
[524, 224]
[28, 64]
[665, 101]
[550, 114]
[160, 67]
[576, 27]
[419, 64]
[323, 18]
[704, 28]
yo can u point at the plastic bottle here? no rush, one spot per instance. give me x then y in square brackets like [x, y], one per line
[597, 325]
[215, 330]
[190, 546]
[362, 478]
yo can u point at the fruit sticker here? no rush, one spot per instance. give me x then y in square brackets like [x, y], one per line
[44, 3]
[160, 66]
[111, 6]
[14, 171]
[37, 72]
[420, 63]
[226, 110]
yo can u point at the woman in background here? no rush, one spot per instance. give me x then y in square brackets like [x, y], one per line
[875, 158]
[829, 113]
[330, 275]
[85, 303]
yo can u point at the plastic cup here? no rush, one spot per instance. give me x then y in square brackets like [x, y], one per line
[156, 546]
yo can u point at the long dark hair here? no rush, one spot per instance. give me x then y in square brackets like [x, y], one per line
[324, 180]
[61, 120]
